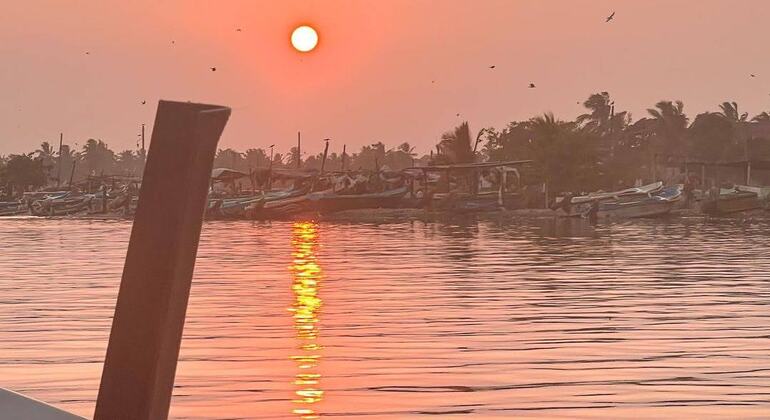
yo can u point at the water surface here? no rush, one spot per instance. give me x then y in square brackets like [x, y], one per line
[482, 319]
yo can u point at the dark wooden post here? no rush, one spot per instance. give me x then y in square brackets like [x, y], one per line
[58, 169]
[299, 150]
[72, 173]
[326, 151]
[141, 360]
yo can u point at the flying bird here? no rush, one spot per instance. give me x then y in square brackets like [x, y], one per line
[458, 115]
[238, 30]
[491, 67]
[88, 52]
[753, 75]
[144, 102]
[610, 17]
[173, 42]
[213, 69]
[532, 86]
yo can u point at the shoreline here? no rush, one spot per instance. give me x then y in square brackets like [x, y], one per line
[387, 215]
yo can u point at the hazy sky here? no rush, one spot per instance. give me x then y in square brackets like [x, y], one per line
[371, 77]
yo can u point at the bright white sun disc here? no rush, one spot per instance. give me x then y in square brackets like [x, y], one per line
[304, 38]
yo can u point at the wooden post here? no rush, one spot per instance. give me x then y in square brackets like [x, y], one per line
[299, 150]
[58, 170]
[270, 170]
[141, 360]
[72, 173]
[344, 156]
[104, 198]
[326, 151]
[748, 172]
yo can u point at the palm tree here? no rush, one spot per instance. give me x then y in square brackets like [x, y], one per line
[670, 125]
[46, 156]
[565, 152]
[729, 111]
[764, 117]
[600, 107]
[455, 146]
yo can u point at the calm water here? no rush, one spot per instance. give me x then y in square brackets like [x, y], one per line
[475, 319]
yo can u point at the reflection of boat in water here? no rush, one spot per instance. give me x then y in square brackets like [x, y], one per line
[737, 199]
[306, 274]
[647, 201]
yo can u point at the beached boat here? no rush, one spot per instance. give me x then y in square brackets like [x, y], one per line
[232, 208]
[648, 201]
[62, 206]
[732, 200]
[629, 192]
[327, 201]
[12, 208]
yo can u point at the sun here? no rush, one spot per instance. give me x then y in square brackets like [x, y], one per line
[304, 38]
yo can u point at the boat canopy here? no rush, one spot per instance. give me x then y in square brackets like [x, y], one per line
[480, 165]
[226, 174]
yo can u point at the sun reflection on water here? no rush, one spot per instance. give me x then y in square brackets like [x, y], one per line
[306, 274]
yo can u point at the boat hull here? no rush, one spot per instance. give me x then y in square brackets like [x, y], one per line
[331, 202]
[731, 203]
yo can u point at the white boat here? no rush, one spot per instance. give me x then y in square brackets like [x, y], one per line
[648, 201]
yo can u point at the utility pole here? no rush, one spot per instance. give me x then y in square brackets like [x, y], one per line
[143, 149]
[58, 170]
[299, 150]
[344, 157]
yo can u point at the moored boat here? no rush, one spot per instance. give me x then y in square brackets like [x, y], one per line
[327, 201]
[731, 200]
[648, 201]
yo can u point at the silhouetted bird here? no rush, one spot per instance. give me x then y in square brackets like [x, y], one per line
[433, 81]
[213, 69]
[173, 42]
[144, 102]
[491, 67]
[532, 86]
[610, 17]
[458, 115]
[88, 52]
[753, 75]
[238, 30]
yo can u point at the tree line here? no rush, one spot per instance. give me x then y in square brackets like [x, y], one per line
[601, 148]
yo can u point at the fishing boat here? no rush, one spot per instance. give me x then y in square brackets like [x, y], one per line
[647, 201]
[12, 208]
[732, 200]
[655, 205]
[65, 205]
[328, 201]
[232, 208]
[578, 206]
[279, 204]
[629, 192]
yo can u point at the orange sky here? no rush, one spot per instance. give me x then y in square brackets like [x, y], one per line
[371, 77]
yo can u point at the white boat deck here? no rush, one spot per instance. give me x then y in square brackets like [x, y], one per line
[15, 406]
